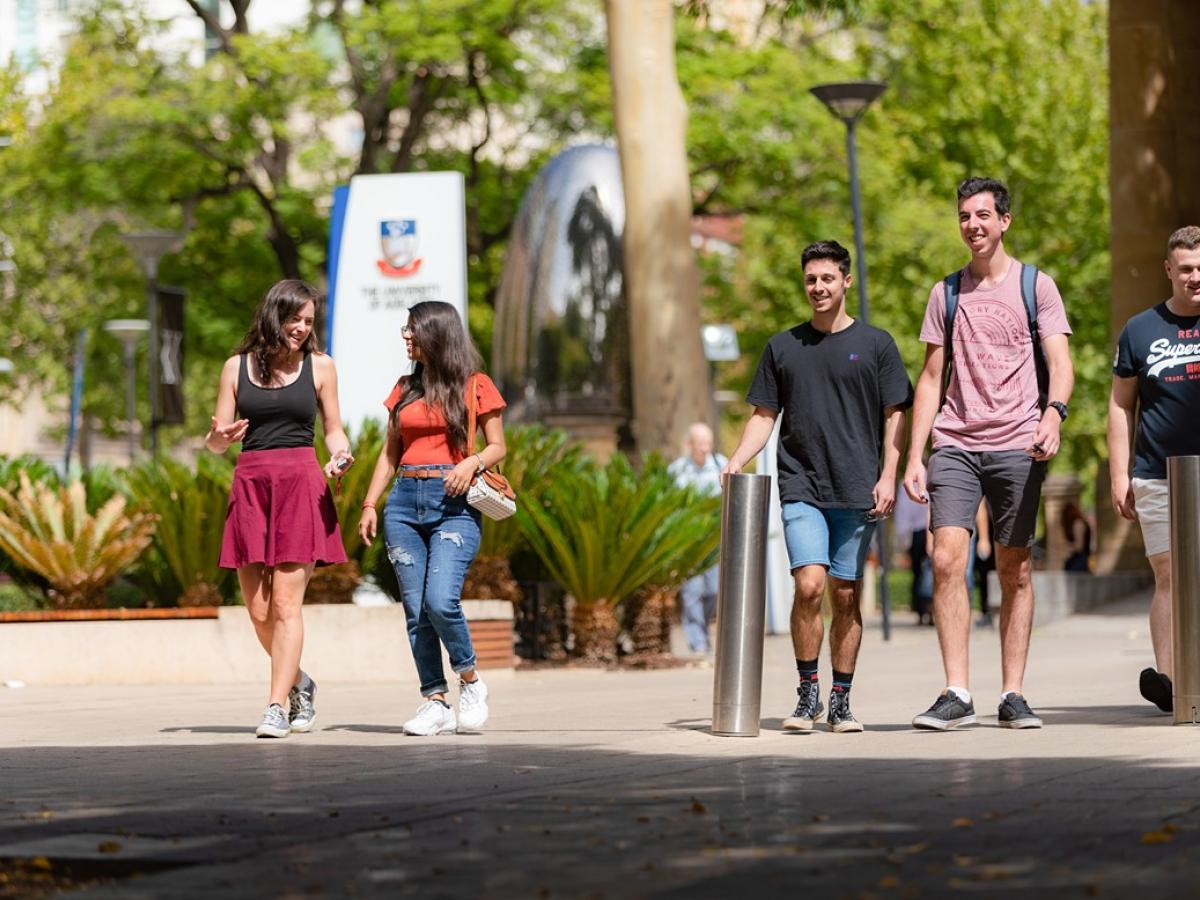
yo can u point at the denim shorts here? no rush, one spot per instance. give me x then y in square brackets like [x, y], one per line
[837, 539]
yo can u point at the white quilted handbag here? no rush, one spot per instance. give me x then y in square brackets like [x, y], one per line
[490, 492]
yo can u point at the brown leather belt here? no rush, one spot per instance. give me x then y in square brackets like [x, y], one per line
[424, 473]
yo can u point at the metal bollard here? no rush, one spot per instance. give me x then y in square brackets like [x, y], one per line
[741, 605]
[1183, 489]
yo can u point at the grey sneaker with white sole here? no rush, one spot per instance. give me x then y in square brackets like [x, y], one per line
[274, 723]
[301, 711]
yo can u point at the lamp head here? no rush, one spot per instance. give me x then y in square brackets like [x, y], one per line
[127, 331]
[152, 245]
[848, 100]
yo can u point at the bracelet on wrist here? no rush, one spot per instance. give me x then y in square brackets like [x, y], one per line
[368, 505]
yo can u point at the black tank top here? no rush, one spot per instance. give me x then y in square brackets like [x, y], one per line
[281, 417]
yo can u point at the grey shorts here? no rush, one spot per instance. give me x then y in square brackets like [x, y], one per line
[1010, 480]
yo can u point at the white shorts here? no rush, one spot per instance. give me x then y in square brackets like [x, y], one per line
[1153, 512]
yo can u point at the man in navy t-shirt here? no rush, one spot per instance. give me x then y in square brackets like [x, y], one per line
[1156, 387]
[841, 389]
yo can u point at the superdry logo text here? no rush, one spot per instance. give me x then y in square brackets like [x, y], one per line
[1167, 355]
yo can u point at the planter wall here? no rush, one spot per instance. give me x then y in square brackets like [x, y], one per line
[216, 645]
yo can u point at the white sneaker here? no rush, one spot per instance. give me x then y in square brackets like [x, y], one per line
[431, 718]
[472, 703]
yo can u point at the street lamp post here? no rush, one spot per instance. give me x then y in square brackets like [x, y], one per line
[128, 331]
[151, 246]
[848, 101]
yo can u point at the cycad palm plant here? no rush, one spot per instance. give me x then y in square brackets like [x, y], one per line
[190, 507]
[337, 583]
[698, 516]
[536, 458]
[50, 532]
[608, 531]
[39, 472]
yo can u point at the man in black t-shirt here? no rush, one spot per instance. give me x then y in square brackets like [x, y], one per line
[841, 388]
[1157, 369]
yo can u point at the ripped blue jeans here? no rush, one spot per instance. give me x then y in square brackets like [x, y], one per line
[431, 541]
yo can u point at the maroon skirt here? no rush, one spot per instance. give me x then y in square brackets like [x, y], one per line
[280, 511]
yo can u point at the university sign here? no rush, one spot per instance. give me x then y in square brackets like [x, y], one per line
[394, 240]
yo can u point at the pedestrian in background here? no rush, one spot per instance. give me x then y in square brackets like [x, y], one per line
[912, 529]
[700, 469]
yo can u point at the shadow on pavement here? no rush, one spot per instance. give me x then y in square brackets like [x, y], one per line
[451, 818]
[209, 729]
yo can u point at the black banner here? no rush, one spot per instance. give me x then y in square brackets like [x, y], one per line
[170, 355]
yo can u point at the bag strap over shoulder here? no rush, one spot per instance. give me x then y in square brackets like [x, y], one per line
[952, 284]
[472, 383]
[1029, 276]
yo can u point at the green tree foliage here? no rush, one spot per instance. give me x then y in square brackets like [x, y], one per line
[236, 149]
[240, 151]
[1014, 90]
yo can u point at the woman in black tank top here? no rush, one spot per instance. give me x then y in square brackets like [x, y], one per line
[281, 520]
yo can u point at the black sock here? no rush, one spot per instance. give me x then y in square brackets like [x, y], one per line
[807, 669]
[443, 702]
[842, 681]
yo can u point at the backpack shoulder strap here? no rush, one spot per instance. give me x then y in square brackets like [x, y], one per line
[1029, 276]
[952, 284]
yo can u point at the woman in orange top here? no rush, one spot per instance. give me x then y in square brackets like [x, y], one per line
[432, 534]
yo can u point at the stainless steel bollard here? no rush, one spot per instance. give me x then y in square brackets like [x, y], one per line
[1183, 488]
[741, 605]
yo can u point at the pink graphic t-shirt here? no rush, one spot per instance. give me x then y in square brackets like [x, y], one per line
[992, 399]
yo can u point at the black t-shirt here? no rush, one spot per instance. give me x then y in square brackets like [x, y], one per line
[1163, 351]
[832, 390]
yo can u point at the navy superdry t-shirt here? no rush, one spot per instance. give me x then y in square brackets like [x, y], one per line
[1163, 351]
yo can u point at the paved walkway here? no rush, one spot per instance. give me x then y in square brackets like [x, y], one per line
[606, 784]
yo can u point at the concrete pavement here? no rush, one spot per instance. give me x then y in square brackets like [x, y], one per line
[593, 783]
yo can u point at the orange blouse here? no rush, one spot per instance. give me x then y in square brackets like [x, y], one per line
[423, 428]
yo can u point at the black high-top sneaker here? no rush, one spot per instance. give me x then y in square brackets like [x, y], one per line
[840, 719]
[808, 708]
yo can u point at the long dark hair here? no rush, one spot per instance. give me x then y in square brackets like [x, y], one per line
[449, 359]
[265, 337]
[1071, 513]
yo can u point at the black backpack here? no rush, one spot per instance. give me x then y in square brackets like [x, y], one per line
[1029, 274]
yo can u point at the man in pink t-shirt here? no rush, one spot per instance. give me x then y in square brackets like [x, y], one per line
[992, 438]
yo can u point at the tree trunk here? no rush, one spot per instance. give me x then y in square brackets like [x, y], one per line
[662, 282]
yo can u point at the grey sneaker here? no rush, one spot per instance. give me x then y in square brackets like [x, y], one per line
[948, 711]
[274, 723]
[301, 711]
[840, 720]
[1015, 713]
[808, 708]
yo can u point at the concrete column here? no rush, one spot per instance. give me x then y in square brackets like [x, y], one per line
[1154, 182]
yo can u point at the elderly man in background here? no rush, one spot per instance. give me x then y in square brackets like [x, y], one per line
[699, 468]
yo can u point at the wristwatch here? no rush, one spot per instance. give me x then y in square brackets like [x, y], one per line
[1059, 407]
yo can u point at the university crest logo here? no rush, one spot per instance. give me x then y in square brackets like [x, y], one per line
[398, 240]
